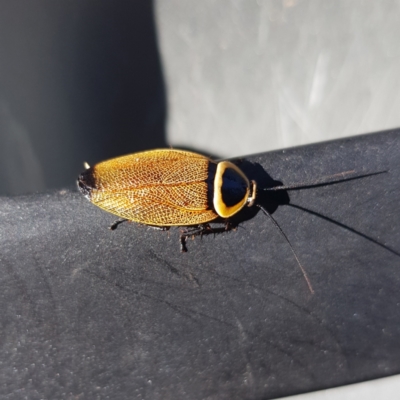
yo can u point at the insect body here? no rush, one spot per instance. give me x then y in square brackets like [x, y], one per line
[167, 188]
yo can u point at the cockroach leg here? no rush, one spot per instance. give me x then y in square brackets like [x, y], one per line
[201, 230]
[159, 228]
[183, 244]
[114, 226]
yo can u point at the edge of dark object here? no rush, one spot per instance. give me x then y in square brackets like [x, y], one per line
[94, 313]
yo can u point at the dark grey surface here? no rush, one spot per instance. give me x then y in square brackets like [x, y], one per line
[90, 313]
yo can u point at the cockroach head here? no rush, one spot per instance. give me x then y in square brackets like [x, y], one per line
[86, 183]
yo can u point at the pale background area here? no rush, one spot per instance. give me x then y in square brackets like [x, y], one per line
[385, 388]
[250, 76]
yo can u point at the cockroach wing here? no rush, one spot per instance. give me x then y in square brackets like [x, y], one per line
[158, 187]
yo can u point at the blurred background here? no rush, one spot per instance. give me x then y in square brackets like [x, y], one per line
[85, 80]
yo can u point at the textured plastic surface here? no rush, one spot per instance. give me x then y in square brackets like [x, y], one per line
[90, 313]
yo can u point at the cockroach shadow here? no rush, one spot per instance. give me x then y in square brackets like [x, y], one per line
[271, 194]
[269, 200]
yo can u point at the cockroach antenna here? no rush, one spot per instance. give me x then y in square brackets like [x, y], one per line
[290, 244]
[327, 180]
